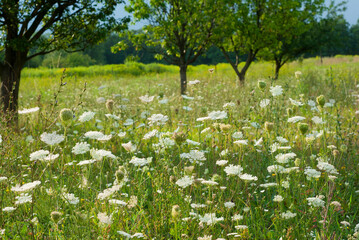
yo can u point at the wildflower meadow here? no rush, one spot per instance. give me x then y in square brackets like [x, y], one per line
[118, 153]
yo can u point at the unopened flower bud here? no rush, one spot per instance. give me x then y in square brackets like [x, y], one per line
[225, 127]
[289, 111]
[343, 148]
[268, 126]
[335, 153]
[303, 128]
[120, 173]
[66, 116]
[56, 216]
[321, 100]
[173, 179]
[109, 105]
[179, 137]
[176, 212]
[262, 85]
[189, 170]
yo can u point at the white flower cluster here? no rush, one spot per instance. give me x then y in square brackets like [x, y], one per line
[315, 202]
[184, 182]
[233, 170]
[39, 155]
[285, 158]
[288, 215]
[296, 119]
[81, 148]
[194, 156]
[324, 166]
[29, 110]
[157, 120]
[210, 219]
[87, 116]
[312, 173]
[214, 115]
[146, 98]
[99, 154]
[52, 138]
[71, 198]
[94, 134]
[276, 90]
[26, 187]
[150, 134]
[140, 162]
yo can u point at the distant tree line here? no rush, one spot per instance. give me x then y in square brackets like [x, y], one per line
[337, 37]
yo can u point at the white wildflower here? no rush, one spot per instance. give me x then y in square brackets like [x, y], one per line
[221, 162]
[285, 158]
[129, 147]
[278, 198]
[87, 116]
[248, 177]
[94, 135]
[71, 198]
[140, 161]
[39, 155]
[104, 218]
[288, 215]
[157, 120]
[276, 90]
[29, 110]
[146, 98]
[229, 205]
[26, 187]
[315, 202]
[233, 170]
[52, 138]
[237, 135]
[184, 182]
[295, 119]
[312, 173]
[99, 154]
[150, 134]
[210, 219]
[23, 198]
[81, 148]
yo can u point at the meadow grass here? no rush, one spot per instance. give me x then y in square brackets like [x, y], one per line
[137, 160]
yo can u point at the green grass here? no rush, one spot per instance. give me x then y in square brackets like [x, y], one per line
[156, 206]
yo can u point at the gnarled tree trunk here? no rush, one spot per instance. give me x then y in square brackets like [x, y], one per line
[10, 73]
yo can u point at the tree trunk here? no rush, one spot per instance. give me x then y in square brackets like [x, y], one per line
[278, 65]
[250, 59]
[183, 76]
[10, 84]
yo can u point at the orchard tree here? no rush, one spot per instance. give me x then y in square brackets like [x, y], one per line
[179, 30]
[297, 34]
[253, 25]
[71, 25]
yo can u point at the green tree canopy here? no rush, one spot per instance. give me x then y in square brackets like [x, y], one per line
[69, 24]
[253, 25]
[180, 31]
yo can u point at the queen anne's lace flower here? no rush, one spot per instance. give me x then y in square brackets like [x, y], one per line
[29, 110]
[52, 138]
[184, 182]
[276, 90]
[157, 120]
[26, 187]
[39, 155]
[81, 148]
[86, 116]
[233, 170]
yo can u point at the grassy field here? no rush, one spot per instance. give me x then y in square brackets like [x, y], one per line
[115, 152]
